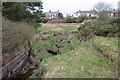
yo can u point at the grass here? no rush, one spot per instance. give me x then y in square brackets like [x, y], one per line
[83, 62]
[43, 44]
[108, 45]
[108, 42]
[70, 28]
[46, 29]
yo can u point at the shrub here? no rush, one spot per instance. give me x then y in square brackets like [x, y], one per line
[103, 16]
[106, 29]
[114, 21]
[99, 29]
[74, 20]
[37, 25]
[93, 17]
[81, 19]
[15, 35]
[44, 20]
[85, 30]
[56, 21]
[69, 20]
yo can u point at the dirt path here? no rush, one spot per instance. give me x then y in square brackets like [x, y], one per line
[62, 24]
[66, 24]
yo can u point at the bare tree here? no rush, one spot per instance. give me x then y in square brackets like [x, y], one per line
[101, 6]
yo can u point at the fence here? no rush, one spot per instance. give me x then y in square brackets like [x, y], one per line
[11, 67]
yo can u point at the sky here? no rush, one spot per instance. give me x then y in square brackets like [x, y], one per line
[72, 6]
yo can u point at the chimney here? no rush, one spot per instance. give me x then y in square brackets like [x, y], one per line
[49, 11]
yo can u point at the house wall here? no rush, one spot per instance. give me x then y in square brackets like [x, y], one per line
[87, 14]
[52, 16]
[112, 15]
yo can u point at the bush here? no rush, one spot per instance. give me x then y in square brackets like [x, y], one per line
[85, 30]
[44, 20]
[37, 25]
[93, 17]
[105, 30]
[15, 35]
[70, 20]
[113, 21]
[56, 21]
[99, 29]
[103, 16]
[81, 19]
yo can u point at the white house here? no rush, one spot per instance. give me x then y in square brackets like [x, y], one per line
[86, 13]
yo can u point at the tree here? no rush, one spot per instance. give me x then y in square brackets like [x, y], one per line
[102, 9]
[81, 19]
[60, 15]
[38, 15]
[101, 6]
[21, 11]
[103, 16]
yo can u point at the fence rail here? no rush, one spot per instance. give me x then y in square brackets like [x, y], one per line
[14, 64]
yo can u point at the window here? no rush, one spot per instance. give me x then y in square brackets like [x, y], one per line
[113, 14]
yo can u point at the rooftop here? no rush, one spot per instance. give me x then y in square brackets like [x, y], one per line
[54, 12]
[91, 11]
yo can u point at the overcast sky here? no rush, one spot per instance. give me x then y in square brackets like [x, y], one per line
[71, 6]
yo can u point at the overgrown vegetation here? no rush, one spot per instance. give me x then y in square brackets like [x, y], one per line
[70, 20]
[99, 29]
[79, 19]
[18, 24]
[76, 59]
[14, 36]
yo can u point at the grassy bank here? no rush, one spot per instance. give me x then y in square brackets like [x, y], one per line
[76, 59]
[109, 46]
[83, 62]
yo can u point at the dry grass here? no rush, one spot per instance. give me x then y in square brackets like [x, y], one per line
[15, 35]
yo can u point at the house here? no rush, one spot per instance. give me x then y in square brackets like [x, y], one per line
[51, 15]
[110, 14]
[86, 13]
[113, 14]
